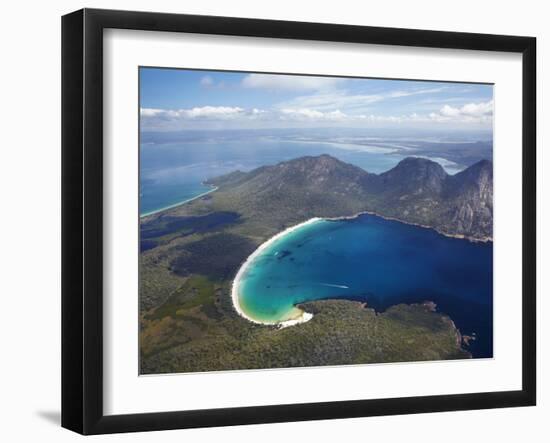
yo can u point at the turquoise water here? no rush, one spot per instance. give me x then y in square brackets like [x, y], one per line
[379, 261]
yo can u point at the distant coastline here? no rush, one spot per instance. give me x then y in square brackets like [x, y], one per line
[156, 211]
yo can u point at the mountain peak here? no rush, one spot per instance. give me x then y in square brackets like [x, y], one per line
[317, 167]
[323, 159]
[420, 163]
[483, 169]
[416, 190]
[482, 165]
[417, 175]
[484, 162]
[310, 179]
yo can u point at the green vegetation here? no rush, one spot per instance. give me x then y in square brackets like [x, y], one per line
[196, 291]
[192, 253]
[218, 256]
[341, 332]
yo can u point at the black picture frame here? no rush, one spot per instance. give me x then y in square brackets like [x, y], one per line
[82, 215]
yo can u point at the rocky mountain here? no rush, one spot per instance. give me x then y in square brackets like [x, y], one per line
[470, 193]
[414, 175]
[416, 190]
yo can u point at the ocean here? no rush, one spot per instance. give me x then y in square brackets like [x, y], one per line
[378, 261]
[173, 167]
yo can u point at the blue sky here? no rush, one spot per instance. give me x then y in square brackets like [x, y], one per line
[174, 99]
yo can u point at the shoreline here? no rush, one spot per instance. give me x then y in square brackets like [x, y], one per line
[175, 205]
[446, 234]
[305, 316]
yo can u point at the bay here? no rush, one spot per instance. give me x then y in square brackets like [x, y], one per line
[381, 262]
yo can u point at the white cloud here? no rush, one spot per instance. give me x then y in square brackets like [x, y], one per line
[150, 112]
[478, 109]
[471, 112]
[174, 119]
[336, 115]
[290, 82]
[212, 112]
[479, 113]
[399, 94]
[216, 112]
[207, 81]
[234, 117]
[305, 114]
[331, 100]
[449, 111]
[342, 99]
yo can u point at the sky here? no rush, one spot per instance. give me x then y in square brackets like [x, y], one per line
[178, 99]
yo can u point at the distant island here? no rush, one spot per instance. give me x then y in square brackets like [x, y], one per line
[191, 254]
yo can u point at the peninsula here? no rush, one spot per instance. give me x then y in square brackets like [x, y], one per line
[193, 255]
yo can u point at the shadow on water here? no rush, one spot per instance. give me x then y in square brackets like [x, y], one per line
[152, 231]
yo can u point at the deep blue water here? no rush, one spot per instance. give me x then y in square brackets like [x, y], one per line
[381, 262]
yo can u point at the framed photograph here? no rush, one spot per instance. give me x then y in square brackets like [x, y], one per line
[270, 221]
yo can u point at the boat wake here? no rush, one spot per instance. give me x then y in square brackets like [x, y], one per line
[335, 286]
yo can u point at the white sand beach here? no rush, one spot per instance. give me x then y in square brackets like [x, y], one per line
[175, 205]
[302, 316]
